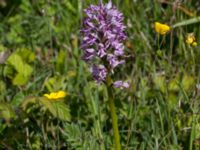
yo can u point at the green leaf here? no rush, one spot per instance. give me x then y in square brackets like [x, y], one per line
[73, 133]
[62, 111]
[24, 70]
[8, 71]
[2, 87]
[27, 102]
[20, 79]
[187, 22]
[160, 82]
[16, 61]
[17, 99]
[49, 84]
[173, 84]
[188, 82]
[47, 104]
[26, 54]
[172, 100]
[55, 83]
[61, 61]
[57, 108]
[6, 111]
[13, 35]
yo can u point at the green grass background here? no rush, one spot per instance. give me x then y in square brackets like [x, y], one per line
[160, 110]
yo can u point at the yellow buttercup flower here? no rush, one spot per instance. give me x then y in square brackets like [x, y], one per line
[56, 95]
[161, 28]
[191, 40]
[194, 44]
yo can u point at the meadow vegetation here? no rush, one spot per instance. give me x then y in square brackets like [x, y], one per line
[40, 54]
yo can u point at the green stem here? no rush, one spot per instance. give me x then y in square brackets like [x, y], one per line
[114, 119]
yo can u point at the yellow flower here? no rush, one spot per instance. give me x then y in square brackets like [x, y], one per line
[56, 95]
[194, 44]
[191, 40]
[161, 28]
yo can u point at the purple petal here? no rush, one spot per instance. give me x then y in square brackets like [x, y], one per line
[121, 84]
[113, 61]
[109, 5]
[99, 73]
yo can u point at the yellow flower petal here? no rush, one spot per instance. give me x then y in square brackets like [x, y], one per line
[53, 95]
[47, 95]
[61, 94]
[161, 28]
[194, 44]
[56, 95]
[191, 40]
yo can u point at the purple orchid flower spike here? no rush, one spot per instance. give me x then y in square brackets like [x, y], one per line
[103, 36]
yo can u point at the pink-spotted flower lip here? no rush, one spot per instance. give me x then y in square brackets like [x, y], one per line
[103, 34]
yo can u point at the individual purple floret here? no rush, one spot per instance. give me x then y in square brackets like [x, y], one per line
[121, 84]
[99, 73]
[103, 37]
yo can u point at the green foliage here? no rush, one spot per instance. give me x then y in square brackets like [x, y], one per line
[40, 53]
[23, 70]
[57, 108]
[6, 111]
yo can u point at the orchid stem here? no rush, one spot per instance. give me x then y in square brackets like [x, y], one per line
[100, 2]
[114, 118]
